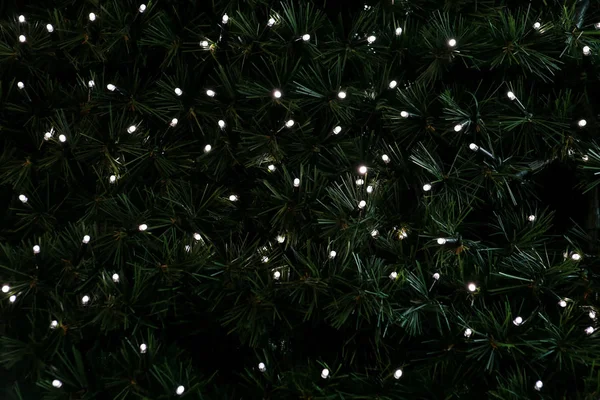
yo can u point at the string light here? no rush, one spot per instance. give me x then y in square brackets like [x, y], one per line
[393, 84]
[262, 367]
[225, 18]
[12, 298]
[111, 87]
[427, 187]
[582, 123]
[586, 50]
[85, 299]
[537, 26]
[91, 84]
[56, 383]
[143, 227]
[306, 37]
[22, 38]
[36, 249]
[592, 314]
[597, 25]
[362, 204]
[86, 239]
[290, 123]
[233, 197]
[369, 189]
[362, 169]
[359, 182]
[511, 95]
[280, 238]
[188, 248]
[204, 43]
[296, 182]
[468, 332]
[115, 278]
[385, 158]
[276, 275]
[325, 373]
[589, 330]
[398, 373]
[49, 28]
[531, 218]
[143, 348]
[371, 39]
[472, 287]
[210, 93]
[5, 288]
[441, 241]
[473, 147]
[458, 127]
[277, 94]
[178, 91]
[538, 385]
[404, 114]
[518, 321]
[562, 303]
[452, 42]
[342, 95]
[221, 124]
[585, 157]
[398, 31]
[54, 324]
[207, 148]
[62, 138]
[180, 389]
[20, 85]
[174, 122]
[271, 167]
[271, 22]
[264, 259]
[374, 233]
[576, 256]
[92, 17]
[332, 254]
[142, 8]
[394, 275]
[436, 276]
[132, 129]
[23, 198]
[112, 179]
[337, 130]
[197, 236]
[21, 18]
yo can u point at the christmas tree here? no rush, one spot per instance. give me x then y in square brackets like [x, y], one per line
[281, 200]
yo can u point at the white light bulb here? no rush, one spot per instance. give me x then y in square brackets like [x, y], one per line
[12, 298]
[280, 238]
[143, 348]
[20, 85]
[374, 233]
[394, 275]
[233, 197]
[36, 249]
[436, 276]
[23, 198]
[398, 31]
[362, 169]
[221, 124]
[518, 321]
[48, 135]
[5, 288]
[111, 87]
[56, 383]
[264, 259]
[342, 95]
[586, 50]
[385, 158]
[207, 148]
[582, 123]
[589, 330]
[332, 254]
[188, 248]
[112, 179]
[296, 182]
[473, 147]
[277, 94]
[178, 91]
[325, 373]
[576, 256]
[531, 218]
[468, 332]
[306, 37]
[86, 239]
[538, 385]
[204, 43]
[197, 236]
[458, 127]
[142, 8]
[132, 129]
[393, 84]
[452, 42]
[85, 299]
[371, 39]
[180, 390]
[225, 18]
[271, 22]
[276, 275]
[537, 26]
[62, 138]
[91, 84]
[337, 130]
[54, 324]
[427, 187]
[21, 18]
[404, 114]
[360, 182]
[472, 287]
[115, 278]
[271, 167]
[210, 93]
[511, 95]
[585, 157]
[49, 28]
[562, 303]
[143, 227]
[92, 17]
[398, 373]
[22, 38]
[290, 123]
[362, 204]
[592, 314]
[369, 189]
[441, 241]
[174, 122]
[262, 367]
[597, 25]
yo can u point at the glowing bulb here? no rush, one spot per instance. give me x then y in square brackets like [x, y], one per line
[174, 122]
[204, 43]
[264, 259]
[92, 17]
[142, 8]
[582, 123]
[562, 303]
[592, 314]
[427, 187]
[143, 348]
[20, 85]
[458, 127]
[398, 373]
[511, 95]
[441, 241]
[271, 22]
[398, 31]
[518, 321]
[394, 275]
[49, 28]
[21, 18]
[374, 233]
[369, 189]
[62, 138]
[188, 248]
[468, 332]
[91, 84]
[12, 298]
[5, 288]
[115, 278]
[85, 299]
[36, 249]
[472, 287]
[262, 367]
[178, 91]
[332, 254]
[371, 39]
[597, 25]
[452, 42]
[276, 275]
[531, 218]
[54, 324]
[436, 276]
[271, 167]
[585, 157]
[143, 227]
[362, 169]
[233, 197]
[210, 93]
[197, 236]
[325, 373]
[225, 18]
[207, 148]
[131, 129]
[473, 147]
[180, 390]
[22, 38]
[306, 37]
[342, 95]
[385, 158]
[538, 385]
[337, 130]
[362, 204]
[86, 239]
[221, 124]
[404, 114]
[360, 182]
[290, 123]
[576, 256]
[589, 330]
[23, 198]
[280, 238]
[277, 94]
[296, 182]
[537, 26]
[586, 50]
[112, 179]
[56, 383]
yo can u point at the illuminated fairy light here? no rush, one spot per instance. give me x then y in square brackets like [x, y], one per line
[22, 19]
[586, 50]
[115, 278]
[362, 170]
[204, 43]
[49, 28]
[511, 95]
[143, 227]
[20, 85]
[36, 249]
[306, 37]
[581, 123]
[332, 254]
[518, 321]
[271, 22]
[472, 287]
[180, 389]
[371, 39]
[57, 384]
[325, 373]
[290, 123]
[394, 275]
[85, 299]
[468, 332]
[398, 31]
[210, 93]
[178, 91]
[92, 17]
[86, 239]
[225, 18]
[337, 130]
[221, 124]
[342, 95]
[262, 367]
[23, 198]
[427, 187]
[404, 114]
[537, 26]
[538, 385]
[233, 197]
[142, 8]
[362, 204]
[277, 94]
[143, 348]
[398, 374]
[174, 122]
[207, 148]
[111, 87]
[452, 42]
[22, 38]
[271, 167]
